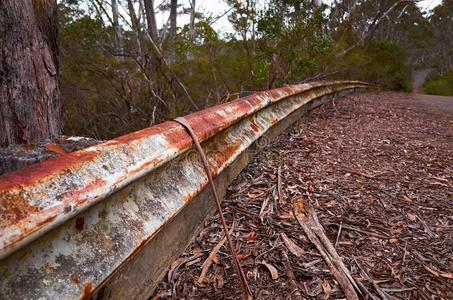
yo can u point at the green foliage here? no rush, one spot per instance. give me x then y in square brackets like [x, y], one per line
[102, 96]
[441, 50]
[275, 43]
[441, 85]
[383, 63]
[292, 40]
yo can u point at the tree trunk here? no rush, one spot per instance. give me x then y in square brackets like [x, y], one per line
[192, 19]
[118, 34]
[172, 33]
[30, 105]
[137, 32]
[377, 19]
[151, 19]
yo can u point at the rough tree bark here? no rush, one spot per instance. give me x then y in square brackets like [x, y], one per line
[192, 19]
[119, 48]
[137, 32]
[29, 93]
[172, 33]
[151, 19]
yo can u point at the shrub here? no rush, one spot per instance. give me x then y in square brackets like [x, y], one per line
[382, 62]
[440, 85]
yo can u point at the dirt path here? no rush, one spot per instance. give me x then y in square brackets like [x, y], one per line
[377, 165]
[432, 106]
[419, 79]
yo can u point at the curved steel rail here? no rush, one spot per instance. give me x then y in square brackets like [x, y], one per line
[67, 225]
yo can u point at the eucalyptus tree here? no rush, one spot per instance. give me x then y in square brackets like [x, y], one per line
[30, 109]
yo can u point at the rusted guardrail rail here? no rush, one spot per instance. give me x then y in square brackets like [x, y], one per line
[108, 220]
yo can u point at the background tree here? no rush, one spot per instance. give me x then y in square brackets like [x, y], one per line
[171, 68]
[292, 39]
[442, 27]
[118, 32]
[440, 55]
[172, 33]
[29, 89]
[151, 19]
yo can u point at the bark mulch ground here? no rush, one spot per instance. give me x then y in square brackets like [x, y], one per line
[377, 169]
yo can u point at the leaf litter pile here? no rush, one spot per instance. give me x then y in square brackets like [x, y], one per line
[355, 201]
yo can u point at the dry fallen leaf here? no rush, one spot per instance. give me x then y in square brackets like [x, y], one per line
[211, 258]
[250, 237]
[219, 279]
[272, 269]
[326, 288]
[286, 216]
[406, 198]
[411, 217]
[438, 273]
[181, 261]
[255, 194]
[242, 256]
[292, 247]
[380, 214]
[263, 209]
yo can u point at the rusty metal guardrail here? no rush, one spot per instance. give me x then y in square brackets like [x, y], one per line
[91, 222]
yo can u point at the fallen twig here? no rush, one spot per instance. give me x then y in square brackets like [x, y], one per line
[404, 253]
[383, 294]
[208, 262]
[353, 228]
[364, 290]
[427, 228]
[306, 217]
[338, 234]
[176, 265]
[402, 290]
[263, 209]
[295, 293]
[271, 249]
[281, 196]
[365, 175]
[438, 273]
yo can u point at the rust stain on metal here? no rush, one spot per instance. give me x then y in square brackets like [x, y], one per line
[75, 279]
[228, 151]
[79, 196]
[275, 121]
[43, 196]
[174, 134]
[87, 291]
[169, 129]
[15, 208]
[28, 214]
[253, 124]
[18, 180]
[45, 221]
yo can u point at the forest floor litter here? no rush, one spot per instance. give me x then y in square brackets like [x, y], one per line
[355, 200]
